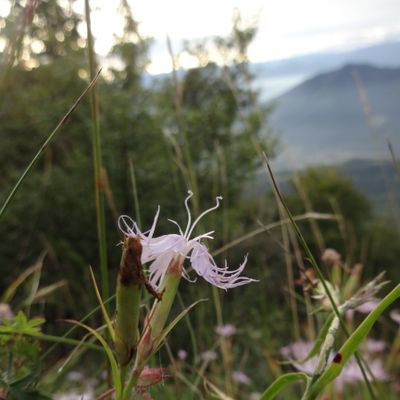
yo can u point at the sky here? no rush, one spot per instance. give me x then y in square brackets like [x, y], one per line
[286, 27]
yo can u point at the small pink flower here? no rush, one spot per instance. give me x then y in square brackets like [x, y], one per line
[367, 307]
[375, 346]
[182, 355]
[5, 312]
[395, 315]
[208, 356]
[241, 377]
[159, 251]
[331, 257]
[350, 372]
[226, 330]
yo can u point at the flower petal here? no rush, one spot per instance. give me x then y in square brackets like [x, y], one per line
[222, 277]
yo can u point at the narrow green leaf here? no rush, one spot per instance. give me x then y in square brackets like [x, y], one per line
[282, 382]
[102, 307]
[45, 145]
[171, 326]
[319, 273]
[353, 342]
[10, 291]
[320, 339]
[110, 355]
[66, 334]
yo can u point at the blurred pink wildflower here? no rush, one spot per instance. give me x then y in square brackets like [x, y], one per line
[208, 356]
[182, 355]
[367, 307]
[351, 372]
[395, 315]
[159, 251]
[225, 330]
[375, 346]
[331, 257]
[5, 312]
[240, 377]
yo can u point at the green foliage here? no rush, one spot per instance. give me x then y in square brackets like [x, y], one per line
[203, 131]
[326, 190]
[19, 357]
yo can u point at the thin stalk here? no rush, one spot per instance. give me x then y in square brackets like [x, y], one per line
[320, 275]
[309, 208]
[46, 144]
[56, 339]
[225, 348]
[97, 163]
[290, 279]
[182, 130]
[135, 193]
[271, 226]
[189, 326]
[73, 328]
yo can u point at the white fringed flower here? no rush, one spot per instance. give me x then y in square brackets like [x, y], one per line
[159, 251]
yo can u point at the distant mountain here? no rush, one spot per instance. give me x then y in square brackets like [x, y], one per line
[339, 115]
[386, 54]
[275, 77]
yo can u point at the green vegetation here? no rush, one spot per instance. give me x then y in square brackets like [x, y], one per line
[133, 143]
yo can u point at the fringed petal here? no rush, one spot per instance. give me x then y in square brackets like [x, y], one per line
[222, 277]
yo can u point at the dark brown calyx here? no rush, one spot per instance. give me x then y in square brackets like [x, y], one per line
[131, 268]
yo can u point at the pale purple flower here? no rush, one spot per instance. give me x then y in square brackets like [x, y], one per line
[159, 251]
[350, 372]
[255, 396]
[241, 377]
[182, 355]
[5, 312]
[367, 307]
[375, 346]
[75, 376]
[331, 257]
[395, 315]
[299, 351]
[226, 330]
[208, 356]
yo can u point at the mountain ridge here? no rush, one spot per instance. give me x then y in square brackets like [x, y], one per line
[335, 116]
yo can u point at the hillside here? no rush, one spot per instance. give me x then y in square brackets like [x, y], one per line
[324, 121]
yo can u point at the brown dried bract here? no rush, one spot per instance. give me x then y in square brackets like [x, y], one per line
[307, 280]
[131, 268]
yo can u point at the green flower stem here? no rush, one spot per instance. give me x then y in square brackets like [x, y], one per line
[129, 283]
[153, 331]
[350, 346]
[126, 333]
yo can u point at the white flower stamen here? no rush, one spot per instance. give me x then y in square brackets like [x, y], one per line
[188, 211]
[187, 235]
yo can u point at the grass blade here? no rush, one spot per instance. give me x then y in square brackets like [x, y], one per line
[110, 355]
[45, 145]
[318, 271]
[353, 342]
[171, 326]
[10, 291]
[281, 383]
[102, 306]
[97, 164]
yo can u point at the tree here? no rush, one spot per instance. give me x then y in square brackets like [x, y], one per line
[325, 190]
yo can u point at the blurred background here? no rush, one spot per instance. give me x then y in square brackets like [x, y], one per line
[190, 96]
